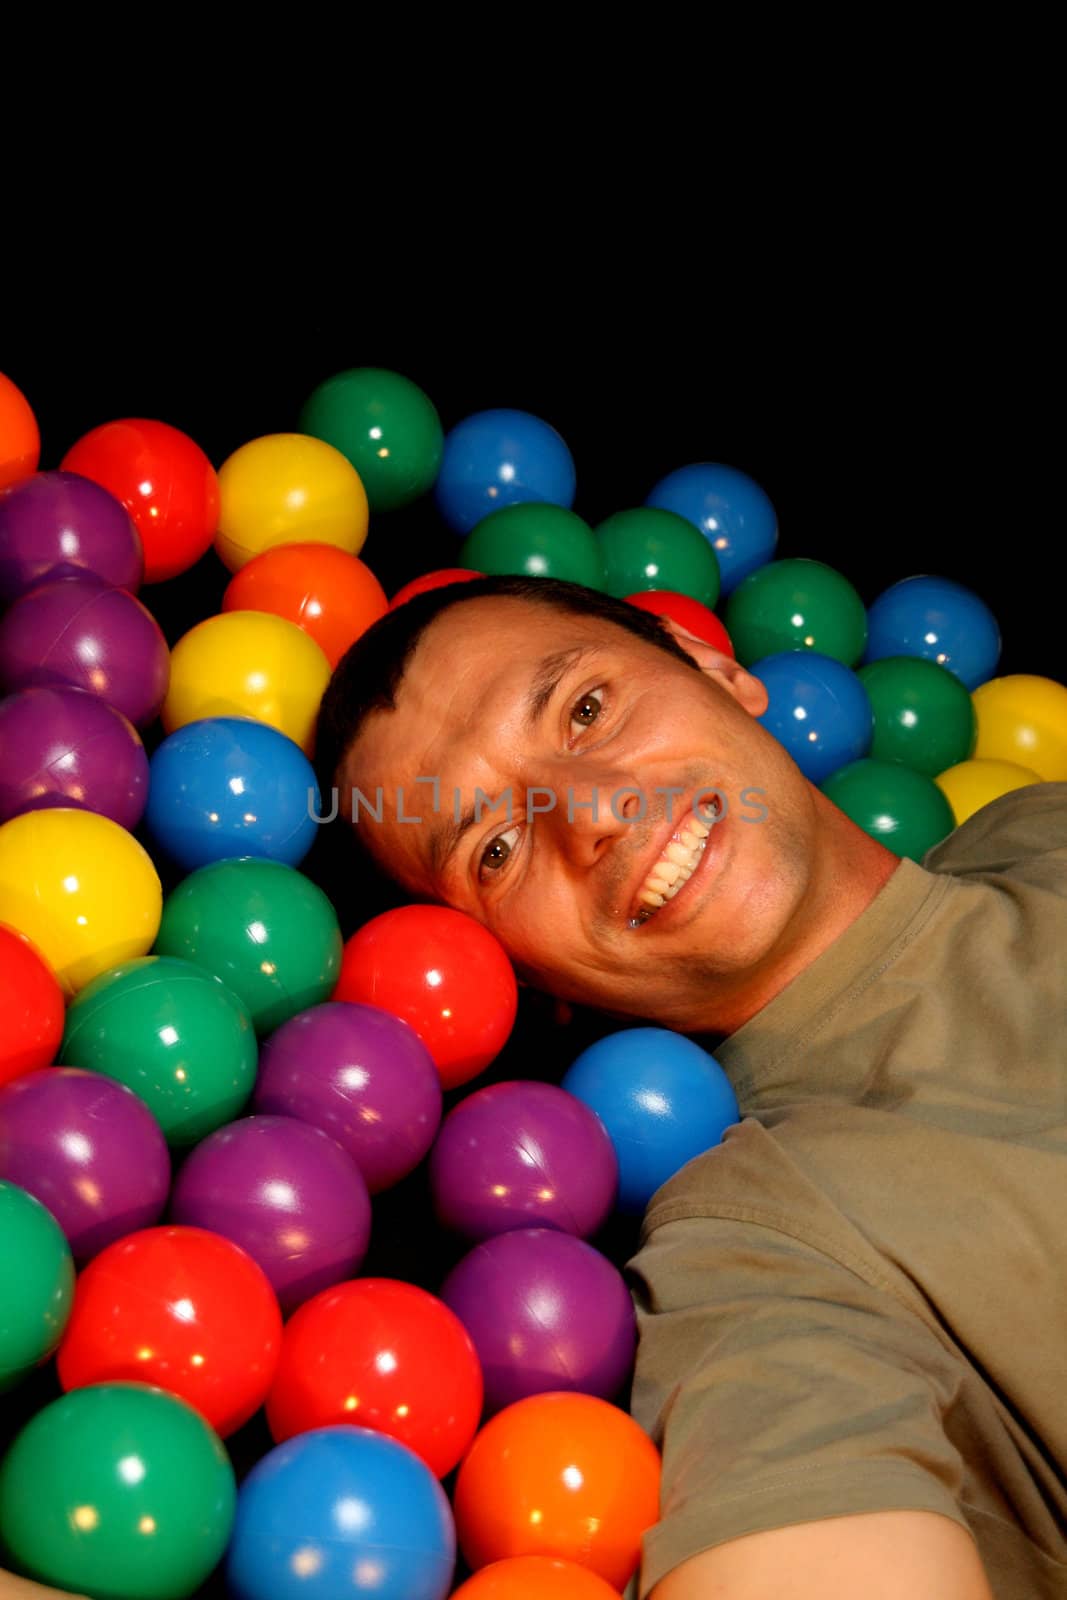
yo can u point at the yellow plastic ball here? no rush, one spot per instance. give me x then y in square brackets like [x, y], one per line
[1023, 718]
[287, 488]
[970, 785]
[248, 664]
[81, 889]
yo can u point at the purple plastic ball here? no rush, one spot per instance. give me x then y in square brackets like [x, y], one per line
[77, 633]
[89, 1150]
[361, 1075]
[60, 525]
[523, 1155]
[285, 1192]
[546, 1312]
[63, 747]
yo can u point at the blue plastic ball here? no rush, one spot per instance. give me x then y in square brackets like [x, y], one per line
[228, 786]
[940, 620]
[819, 710]
[341, 1511]
[662, 1099]
[501, 458]
[731, 510]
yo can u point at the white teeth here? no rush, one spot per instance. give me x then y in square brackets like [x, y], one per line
[676, 866]
[670, 870]
[701, 829]
[649, 897]
[678, 853]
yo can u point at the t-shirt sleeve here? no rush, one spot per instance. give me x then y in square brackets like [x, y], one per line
[1026, 828]
[782, 1387]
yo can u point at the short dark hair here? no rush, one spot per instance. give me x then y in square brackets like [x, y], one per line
[368, 676]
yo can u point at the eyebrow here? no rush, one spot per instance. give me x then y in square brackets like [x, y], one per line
[546, 680]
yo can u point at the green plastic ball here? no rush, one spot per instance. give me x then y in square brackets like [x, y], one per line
[541, 541]
[385, 425]
[117, 1491]
[652, 549]
[901, 808]
[796, 604]
[265, 930]
[173, 1034]
[36, 1283]
[923, 715]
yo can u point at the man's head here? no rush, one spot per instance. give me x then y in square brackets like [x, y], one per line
[556, 746]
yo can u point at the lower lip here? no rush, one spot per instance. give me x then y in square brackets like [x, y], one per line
[663, 913]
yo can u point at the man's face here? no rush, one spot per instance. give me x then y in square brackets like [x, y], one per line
[647, 906]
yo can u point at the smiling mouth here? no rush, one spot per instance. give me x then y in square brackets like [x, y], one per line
[677, 864]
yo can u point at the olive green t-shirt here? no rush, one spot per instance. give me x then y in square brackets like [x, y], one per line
[858, 1301]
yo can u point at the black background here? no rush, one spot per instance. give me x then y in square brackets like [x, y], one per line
[896, 421]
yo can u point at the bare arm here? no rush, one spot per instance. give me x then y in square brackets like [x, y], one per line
[886, 1555]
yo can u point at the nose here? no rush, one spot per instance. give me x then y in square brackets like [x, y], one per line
[593, 812]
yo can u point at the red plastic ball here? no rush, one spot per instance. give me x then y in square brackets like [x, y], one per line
[563, 1475]
[31, 1007]
[384, 1355]
[332, 595]
[20, 438]
[164, 480]
[443, 973]
[687, 613]
[181, 1308]
[432, 580]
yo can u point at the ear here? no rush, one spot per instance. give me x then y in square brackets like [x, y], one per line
[747, 690]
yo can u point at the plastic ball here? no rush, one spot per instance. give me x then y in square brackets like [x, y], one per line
[228, 787]
[173, 1034]
[662, 1099]
[438, 579]
[523, 1155]
[385, 425]
[89, 1150]
[20, 438]
[248, 664]
[118, 1490]
[443, 973]
[337, 1512]
[902, 809]
[36, 1283]
[563, 1475]
[77, 633]
[970, 785]
[262, 928]
[501, 458]
[651, 549]
[81, 889]
[733, 513]
[546, 1313]
[939, 620]
[64, 747]
[796, 604]
[687, 613]
[180, 1308]
[384, 1355]
[332, 596]
[287, 488]
[538, 541]
[923, 715]
[285, 1192]
[31, 1008]
[164, 480]
[534, 1577]
[58, 525]
[818, 709]
[361, 1075]
[1023, 718]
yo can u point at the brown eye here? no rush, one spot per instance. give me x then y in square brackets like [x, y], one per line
[496, 853]
[588, 708]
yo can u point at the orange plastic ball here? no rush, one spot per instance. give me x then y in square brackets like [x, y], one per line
[20, 439]
[31, 1007]
[535, 1578]
[563, 1475]
[384, 1355]
[333, 596]
[164, 480]
[432, 580]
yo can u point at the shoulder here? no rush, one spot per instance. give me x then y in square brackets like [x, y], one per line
[1026, 827]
